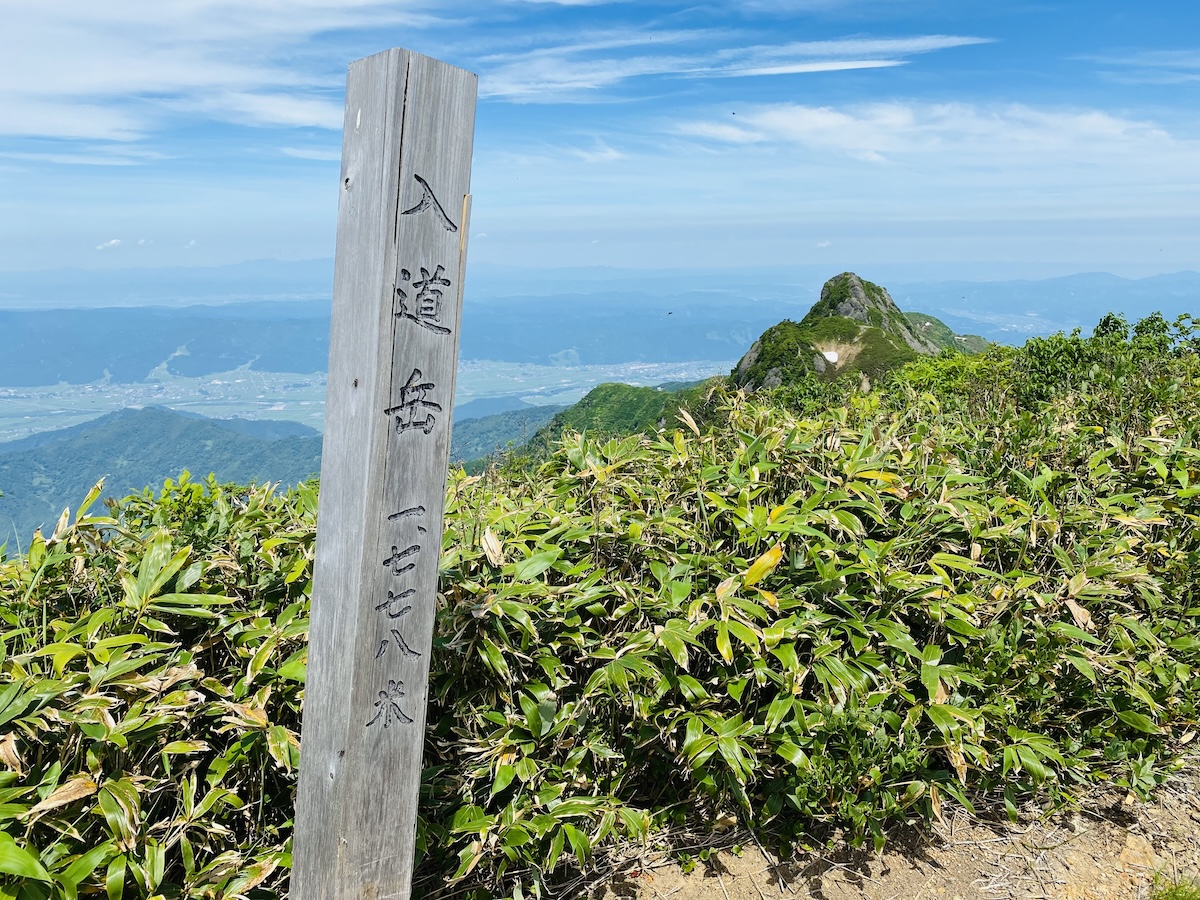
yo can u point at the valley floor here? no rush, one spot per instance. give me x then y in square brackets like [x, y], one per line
[1113, 848]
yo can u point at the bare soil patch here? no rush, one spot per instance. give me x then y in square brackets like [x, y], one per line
[1111, 848]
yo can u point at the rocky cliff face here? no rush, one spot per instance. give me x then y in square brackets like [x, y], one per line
[849, 297]
[855, 328]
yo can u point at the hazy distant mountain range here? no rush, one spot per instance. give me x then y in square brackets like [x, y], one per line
[616, 320]
[41, 474]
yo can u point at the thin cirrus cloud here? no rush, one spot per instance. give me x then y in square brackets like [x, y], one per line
[117, 71]
[1010, 134]
[330, 154]
[1151, 67]
[554, 74]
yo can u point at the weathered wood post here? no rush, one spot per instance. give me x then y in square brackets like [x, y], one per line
[397, 299]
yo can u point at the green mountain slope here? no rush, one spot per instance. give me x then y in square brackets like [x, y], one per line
[43, 473]
[855, 328]
[614, 409]
[937, 331]
[474, 439]
[133, 448]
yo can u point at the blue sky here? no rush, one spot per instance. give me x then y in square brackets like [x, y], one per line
[1022, 138]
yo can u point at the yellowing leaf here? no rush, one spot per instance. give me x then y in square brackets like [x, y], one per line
[958, 761]
[724, 822]
[492, 548]
[1083, 618]
[763, 565]
[75, 789]
[9, 755]
[1076, 584]
[61, 527]
[769, 598]
[725, 587]
[886, 477]
[941, 695]
[691, 423]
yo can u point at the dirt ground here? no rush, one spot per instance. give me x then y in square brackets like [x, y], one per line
[1112, 848]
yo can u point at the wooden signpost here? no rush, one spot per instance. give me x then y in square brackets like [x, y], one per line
[397, 299]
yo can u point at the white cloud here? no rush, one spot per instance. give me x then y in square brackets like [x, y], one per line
[808, 67]
[112, 71]
[1009, 135]
[1152, 67]
[893, 171]
[561, 72]
[251, 108]
[108, 245]
[71, 159]
[821, 245]
[327, 155]
[87, 155]
[600, 153]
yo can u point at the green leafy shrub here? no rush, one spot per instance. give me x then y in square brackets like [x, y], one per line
[150, 676]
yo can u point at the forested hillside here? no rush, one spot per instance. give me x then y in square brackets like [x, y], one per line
[42, 474]
[133, 448]
[972, 585]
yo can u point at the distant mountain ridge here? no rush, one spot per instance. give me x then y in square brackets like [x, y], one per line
[133, 448]
[262, 429]
[622, 317]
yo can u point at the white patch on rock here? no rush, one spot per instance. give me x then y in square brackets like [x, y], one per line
[830, 355]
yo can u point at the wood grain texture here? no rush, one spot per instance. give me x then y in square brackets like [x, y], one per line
[401, 248]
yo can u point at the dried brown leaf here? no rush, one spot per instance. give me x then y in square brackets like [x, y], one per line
[9, 754]
[941, 695]
[492, 548]
[75, 789]
[1083, 618]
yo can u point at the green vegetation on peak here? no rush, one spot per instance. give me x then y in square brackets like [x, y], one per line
[854, 329]
[938, 332]
[850, 297]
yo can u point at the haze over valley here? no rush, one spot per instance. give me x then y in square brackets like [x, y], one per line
[141, 392]
[209, 348]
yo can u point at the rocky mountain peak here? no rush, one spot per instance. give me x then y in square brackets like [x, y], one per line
[850, 297]
[854, 329]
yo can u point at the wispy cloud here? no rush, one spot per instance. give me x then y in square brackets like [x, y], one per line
[1152, 66]
[551, 74]
[330, 154]
[575, 2]
[109, 245]
[113, 71]
[600, 153]
[85, 154]
[1012, 134]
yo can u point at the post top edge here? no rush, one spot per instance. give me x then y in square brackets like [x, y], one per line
[412, 55]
